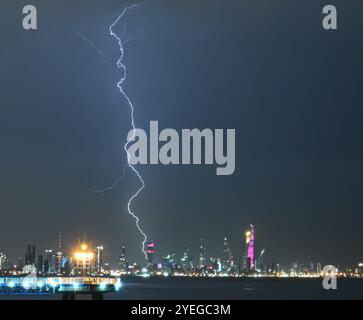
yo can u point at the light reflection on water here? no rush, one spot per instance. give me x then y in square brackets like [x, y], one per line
[220, 289]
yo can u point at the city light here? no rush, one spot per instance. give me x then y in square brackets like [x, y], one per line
[83, 259]
[118, 285]
[83, 256]
[85, 270]
[103, 286]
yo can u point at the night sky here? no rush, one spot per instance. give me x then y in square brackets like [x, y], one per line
[292, 91]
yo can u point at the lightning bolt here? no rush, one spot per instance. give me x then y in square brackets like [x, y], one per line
[120, 65]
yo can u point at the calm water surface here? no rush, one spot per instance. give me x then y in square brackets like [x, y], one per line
[223, 288]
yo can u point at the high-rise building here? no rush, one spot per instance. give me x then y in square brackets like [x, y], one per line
[59, 262]
[84, 260]
[186, 261]
[227, 256]
[260, 265]
[202, 254]
[215, 264]
[249, 254]
[49, 262]
[124, 265]
[150, 251]
[30, 255]
[169, 263]
[2, 260]
[40, 264]
[59, 256]
[99, 259]
[67, 266]
[20, 264]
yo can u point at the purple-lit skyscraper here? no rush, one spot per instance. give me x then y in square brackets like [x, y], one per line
[150, 250]
[250, 249]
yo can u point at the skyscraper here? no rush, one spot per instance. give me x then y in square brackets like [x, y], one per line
[99, 259]
[20, 264]
[186, 261]
[40, 264]
[59, 262]
[84, 260]
[169, 263]
[49, 262]
[227, 255]
[59, 256]
[30, 255]
[123, 261]
[202, 254]
[260, 263]
[249, 255]
[150, 250]
[2, 260]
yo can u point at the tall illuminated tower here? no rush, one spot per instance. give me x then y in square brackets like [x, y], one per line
[150, 250]
[2, 260]
[83, 259]
[250, 249]
[59, 256]
[99, 259]
[202, 254]
[186, 261]
[123, 260]
[227, 255]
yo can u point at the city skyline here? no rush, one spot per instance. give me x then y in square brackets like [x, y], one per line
[249, 257]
